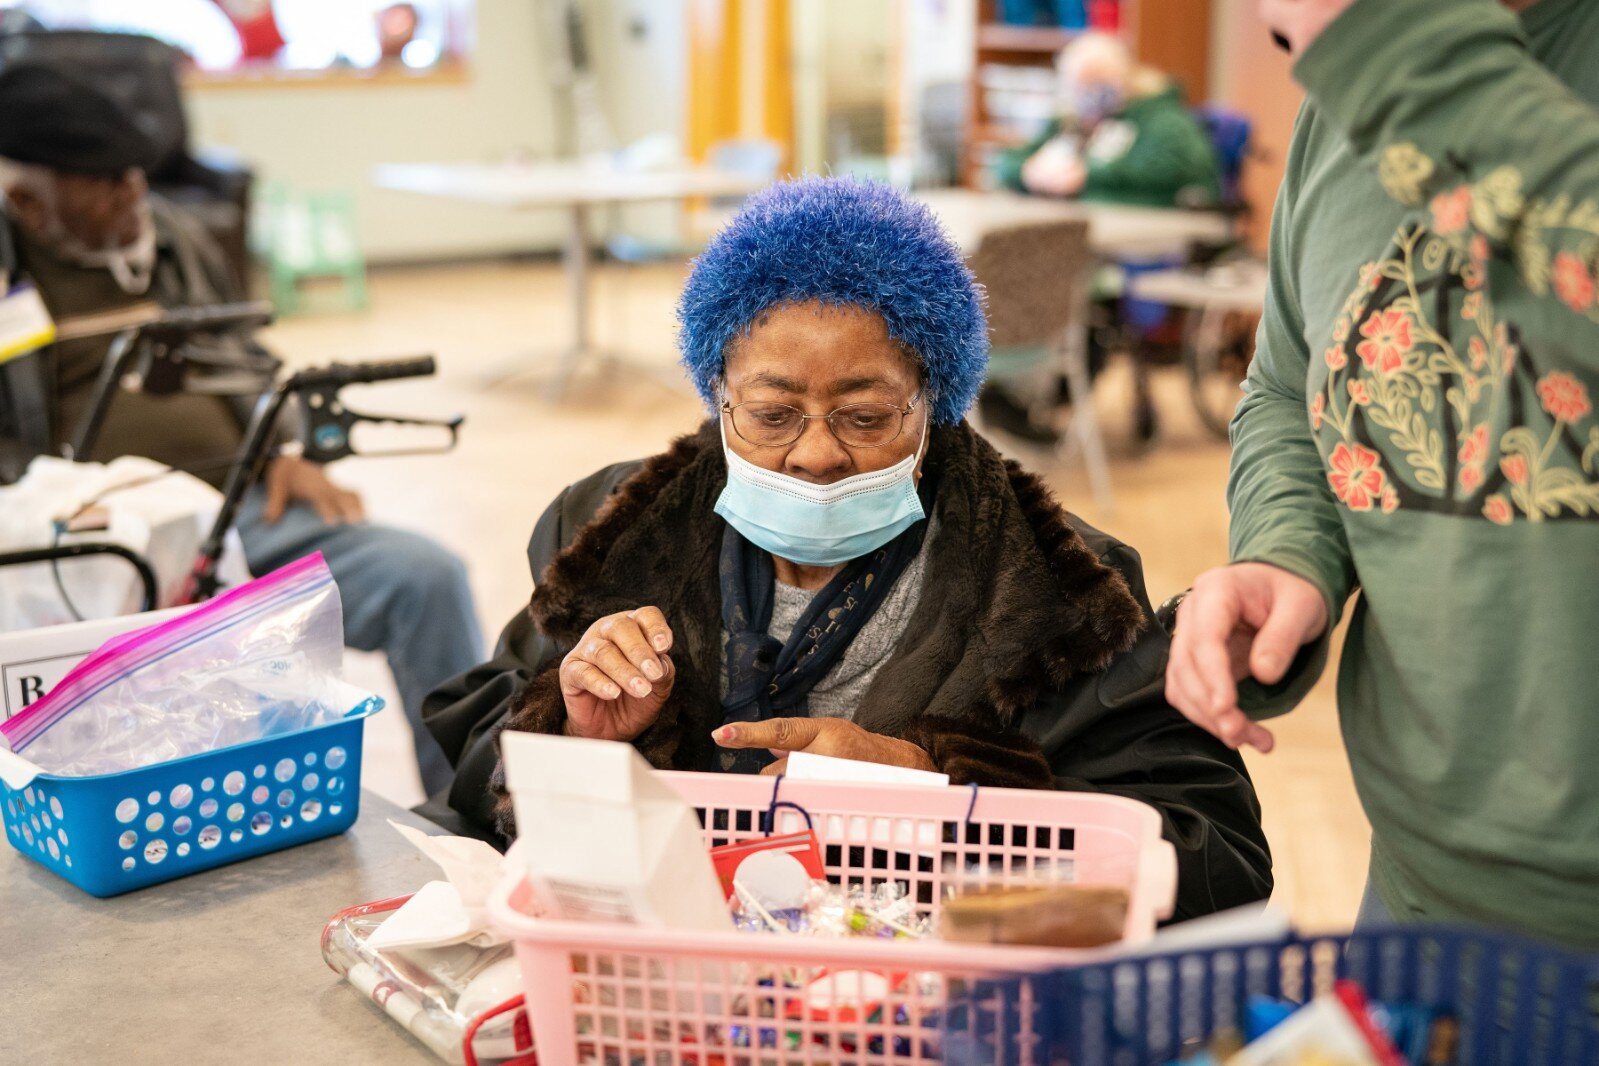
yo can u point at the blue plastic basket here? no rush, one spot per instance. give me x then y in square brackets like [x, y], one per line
[1516, 1002]
[113, 833]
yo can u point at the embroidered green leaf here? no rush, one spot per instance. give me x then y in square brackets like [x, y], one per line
[1519, 441]
[1496, 200]
[1426, 478]
[1403, 170]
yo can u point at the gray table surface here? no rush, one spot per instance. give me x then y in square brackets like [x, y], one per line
[222, 966]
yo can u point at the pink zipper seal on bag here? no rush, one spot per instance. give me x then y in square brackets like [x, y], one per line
[122, 655]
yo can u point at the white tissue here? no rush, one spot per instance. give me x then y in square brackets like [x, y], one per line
[453, 911]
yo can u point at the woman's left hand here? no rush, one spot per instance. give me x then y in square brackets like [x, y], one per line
[821, 736]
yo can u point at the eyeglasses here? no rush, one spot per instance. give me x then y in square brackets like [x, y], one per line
[856, 425]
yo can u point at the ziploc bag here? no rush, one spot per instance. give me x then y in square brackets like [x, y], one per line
[261, 660]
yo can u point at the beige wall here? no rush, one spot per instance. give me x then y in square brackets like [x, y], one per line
[331, 137]
[1250, 73]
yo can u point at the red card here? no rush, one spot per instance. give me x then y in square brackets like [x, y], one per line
[802, 846]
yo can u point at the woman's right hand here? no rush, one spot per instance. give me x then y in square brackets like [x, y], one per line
[618, 677]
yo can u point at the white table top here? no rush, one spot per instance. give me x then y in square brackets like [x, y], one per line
[1239, 287]
[1113, 229]
[536, 185]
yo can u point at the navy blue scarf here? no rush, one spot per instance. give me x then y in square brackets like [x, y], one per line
[766, 679]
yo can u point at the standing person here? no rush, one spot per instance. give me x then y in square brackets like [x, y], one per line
[77, 221]
[1419, 424]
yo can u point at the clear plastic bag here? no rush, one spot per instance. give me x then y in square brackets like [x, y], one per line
[261, 660]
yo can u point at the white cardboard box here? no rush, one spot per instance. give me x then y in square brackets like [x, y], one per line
[33, 661]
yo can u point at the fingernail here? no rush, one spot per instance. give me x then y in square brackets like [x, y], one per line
[611, 692]
[641, 686]
[652, 669]
[727, 733]
[660, 641]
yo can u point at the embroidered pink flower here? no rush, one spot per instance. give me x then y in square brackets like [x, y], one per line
[1564, 397]
[1356, 476]
[1471, 478]
[1479, 250]
[1514, 468]
[1472, 306]
[1358, 392]
[1475, 447]
[1507, 351]
[1497, 509]
[1390, 500]
[1341, 329]
[1387, 340]
[1478, 352]
[1370, 276]
[1318, 408]
[1451, 211]
[1336, 359]
[1573, 284]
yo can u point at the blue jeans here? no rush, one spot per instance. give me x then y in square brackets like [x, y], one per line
[403, 595]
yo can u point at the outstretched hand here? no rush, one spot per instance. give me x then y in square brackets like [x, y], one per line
[1240, 621]
[821, 736]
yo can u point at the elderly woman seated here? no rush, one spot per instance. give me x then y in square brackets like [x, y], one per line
[835, 562]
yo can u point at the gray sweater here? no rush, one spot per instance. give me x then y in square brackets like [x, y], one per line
[839, 693]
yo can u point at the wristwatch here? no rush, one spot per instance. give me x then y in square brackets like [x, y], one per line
[1166, 613]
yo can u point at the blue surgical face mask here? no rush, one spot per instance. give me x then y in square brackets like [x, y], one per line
[820, 525]
[1096, 102]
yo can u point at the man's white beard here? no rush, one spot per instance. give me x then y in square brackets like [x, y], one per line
[132, 265]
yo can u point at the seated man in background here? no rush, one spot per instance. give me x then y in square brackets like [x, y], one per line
[835, 562]
[78, 223]
[1126, 136]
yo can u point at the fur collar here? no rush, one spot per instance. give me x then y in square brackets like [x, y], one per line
[1016, 603]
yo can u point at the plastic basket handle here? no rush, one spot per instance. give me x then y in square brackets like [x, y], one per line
[1157, 875]
[470, 1056]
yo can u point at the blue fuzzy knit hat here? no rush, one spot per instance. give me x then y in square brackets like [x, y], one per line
[841, 241]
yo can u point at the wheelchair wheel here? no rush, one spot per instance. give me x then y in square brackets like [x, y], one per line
[1216, 356]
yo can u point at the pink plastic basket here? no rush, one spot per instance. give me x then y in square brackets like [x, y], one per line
[627, 995]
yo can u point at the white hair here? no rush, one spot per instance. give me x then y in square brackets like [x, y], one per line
[1096, 48]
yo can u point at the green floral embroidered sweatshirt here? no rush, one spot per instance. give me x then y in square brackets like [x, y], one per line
[1419, 425]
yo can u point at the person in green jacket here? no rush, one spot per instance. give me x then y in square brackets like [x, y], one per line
[1419, 424]
[1130, 138]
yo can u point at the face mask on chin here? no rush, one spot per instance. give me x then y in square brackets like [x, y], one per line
[820, 525]
[1095, 103]
[132, 265]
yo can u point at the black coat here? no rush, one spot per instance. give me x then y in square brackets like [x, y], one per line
[1031, 659]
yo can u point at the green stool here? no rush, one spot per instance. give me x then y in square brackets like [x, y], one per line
[311, 235]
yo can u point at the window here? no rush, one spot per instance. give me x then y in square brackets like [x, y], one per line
[290, 36]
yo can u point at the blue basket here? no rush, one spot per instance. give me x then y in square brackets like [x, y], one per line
[112, 833]
[1516, 1001]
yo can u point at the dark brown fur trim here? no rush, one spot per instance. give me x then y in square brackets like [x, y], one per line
[990, 759]
[556, 604]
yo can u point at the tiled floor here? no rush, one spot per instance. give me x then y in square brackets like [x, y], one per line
[518, 450]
